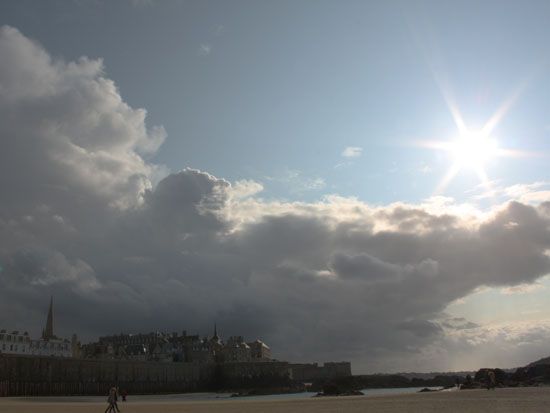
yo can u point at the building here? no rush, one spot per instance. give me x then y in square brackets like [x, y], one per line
[48, 345]
[15, 342]
[237, 357]
[154, 346]
[259, 351]
[174, 347]
[236, 350]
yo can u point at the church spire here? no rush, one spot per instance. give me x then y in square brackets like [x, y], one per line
[48, 331]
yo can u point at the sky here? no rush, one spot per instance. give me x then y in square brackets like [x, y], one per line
[362, 181]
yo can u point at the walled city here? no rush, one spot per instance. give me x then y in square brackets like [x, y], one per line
[155, 362]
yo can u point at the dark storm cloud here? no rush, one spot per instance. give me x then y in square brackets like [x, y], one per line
[81, 219]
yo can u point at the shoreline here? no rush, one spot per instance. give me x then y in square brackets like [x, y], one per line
[224, 395]
[525, 399]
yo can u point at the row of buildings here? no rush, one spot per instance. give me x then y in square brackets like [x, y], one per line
[174, 347]
[161, 347]
[16, 342]
[156, 346]
[48, 344]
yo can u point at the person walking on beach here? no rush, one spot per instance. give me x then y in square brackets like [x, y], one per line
[111, 400]
[491, 380]
[116, 399]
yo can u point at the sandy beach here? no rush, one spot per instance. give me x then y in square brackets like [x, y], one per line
[501, 400]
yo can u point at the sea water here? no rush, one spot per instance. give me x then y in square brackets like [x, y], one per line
[219, 396]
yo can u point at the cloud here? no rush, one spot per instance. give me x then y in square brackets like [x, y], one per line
[69, 122]
[533, 193]
[425, 168]
[352, 152]
[510, 345]
[87, 218]
[205, 49]
[522, 289]
[297, 182]
[246, 188]
[458, 323]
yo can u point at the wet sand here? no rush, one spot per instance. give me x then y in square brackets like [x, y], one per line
[501, 400]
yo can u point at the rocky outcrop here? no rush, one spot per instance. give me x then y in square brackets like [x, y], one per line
[534, 374]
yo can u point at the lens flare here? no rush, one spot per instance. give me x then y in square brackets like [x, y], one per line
[473, 149]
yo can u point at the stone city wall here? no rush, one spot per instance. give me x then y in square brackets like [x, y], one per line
[41, 376]
[311, 372]
[255, 369]
[257, 375]
[35, 376]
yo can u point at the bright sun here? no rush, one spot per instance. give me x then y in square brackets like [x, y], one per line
[473, 149]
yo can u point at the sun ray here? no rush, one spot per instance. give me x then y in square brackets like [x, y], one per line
[433, 144]
[482, 175]
[473, 148]
[457, 116]
[516, 153]
[451, 105]
[448, 96]
[451, 173]
[494, 120]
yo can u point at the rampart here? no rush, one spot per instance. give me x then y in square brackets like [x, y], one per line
[311, 372]
[37, 376]
[51, 376]
[255, 375]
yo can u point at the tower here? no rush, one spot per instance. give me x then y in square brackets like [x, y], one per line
[215, 338]
[47, 333]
